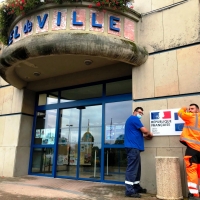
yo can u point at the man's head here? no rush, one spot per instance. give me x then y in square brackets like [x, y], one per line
[193, 108]
[138, 112]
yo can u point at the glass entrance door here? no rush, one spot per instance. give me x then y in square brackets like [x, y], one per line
[68, 143]
[79, 143]
[90, 144]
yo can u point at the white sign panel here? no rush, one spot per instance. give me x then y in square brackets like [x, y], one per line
[166, 122]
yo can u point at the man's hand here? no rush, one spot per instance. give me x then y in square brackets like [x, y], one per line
[148, 136]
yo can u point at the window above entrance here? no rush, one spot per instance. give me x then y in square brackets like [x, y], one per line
[86, 92]
[81, 93]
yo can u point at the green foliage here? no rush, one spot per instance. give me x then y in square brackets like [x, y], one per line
[114, 4]
[5, 21]
[31, 4]
[59, 1]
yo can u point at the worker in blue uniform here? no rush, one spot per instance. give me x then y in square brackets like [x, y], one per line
[134, 136]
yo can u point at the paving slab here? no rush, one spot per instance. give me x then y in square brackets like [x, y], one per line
[41, 188]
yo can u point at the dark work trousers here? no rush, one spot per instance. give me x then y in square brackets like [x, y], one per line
[133, 170]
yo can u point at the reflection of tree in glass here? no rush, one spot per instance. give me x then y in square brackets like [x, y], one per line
[98, 152]
[120, 139]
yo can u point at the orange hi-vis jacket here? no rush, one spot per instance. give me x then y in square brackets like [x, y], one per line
[191, 130]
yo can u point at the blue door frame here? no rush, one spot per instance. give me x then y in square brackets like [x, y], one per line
[88, 102]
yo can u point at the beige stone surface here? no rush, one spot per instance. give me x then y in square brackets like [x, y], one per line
[158, 141]
[184, 179]
[189, 69]
[151, 32]
[17, 100]
[174, 141]
[9, 160]
[143, 80]
[2, 155]
[7, 100]
[3, 82]
[1, 99]
[183, 101]
[148, 171]
[149, 106]
[176, 1]
[22, 156]
[181, 28]
[177, 152]
[28, 102]
[2, 127]
[25, 131]
[165, 74]
[11, 130]
[156, 4]
[168, 188]
[142, 6]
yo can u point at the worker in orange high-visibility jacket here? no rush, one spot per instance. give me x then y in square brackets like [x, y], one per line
[191, 138]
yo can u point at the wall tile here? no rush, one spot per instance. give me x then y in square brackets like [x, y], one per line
[17, 100]
[21, 161]
[142, 6]
[189, 69]
[165, 74]
[148, 172]
[151, 32]
[143, 80]
[3, 82]
[158, 141]
[9, 161]
[174, 141]
[2, 156]
[28, 102]
[7, 100]
[1, 99]
[181, 28]
[176, 1]
[2, 129]
[156, 4]
[183, 101]
[11, 131]
[25, 131]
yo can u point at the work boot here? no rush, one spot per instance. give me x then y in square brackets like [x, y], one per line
[134, 195]
[192, 197]
[139, 189]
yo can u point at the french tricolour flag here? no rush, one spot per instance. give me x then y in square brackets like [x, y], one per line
[167, 115]
[155, 115]
[161, 115]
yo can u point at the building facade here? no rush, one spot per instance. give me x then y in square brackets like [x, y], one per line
[71, 75]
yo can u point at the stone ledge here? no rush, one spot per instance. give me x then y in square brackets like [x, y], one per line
[67, 43]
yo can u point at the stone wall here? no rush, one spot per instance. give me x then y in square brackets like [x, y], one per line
[170, 28]
[16, 119]
[170, 78]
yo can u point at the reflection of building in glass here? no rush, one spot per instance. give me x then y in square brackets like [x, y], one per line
[86, 147]
[114, 134]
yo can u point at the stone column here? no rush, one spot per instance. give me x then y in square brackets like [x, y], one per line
[168, 178]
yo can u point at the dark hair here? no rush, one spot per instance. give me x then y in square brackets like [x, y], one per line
[194, 104]
[138, 108]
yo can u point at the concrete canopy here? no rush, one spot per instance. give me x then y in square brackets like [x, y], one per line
[52, 54]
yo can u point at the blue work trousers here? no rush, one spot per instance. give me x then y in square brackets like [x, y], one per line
[133, 170]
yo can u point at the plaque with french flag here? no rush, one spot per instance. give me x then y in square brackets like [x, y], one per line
[166, 122]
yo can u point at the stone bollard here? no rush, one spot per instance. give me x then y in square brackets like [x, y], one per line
[168, 178]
